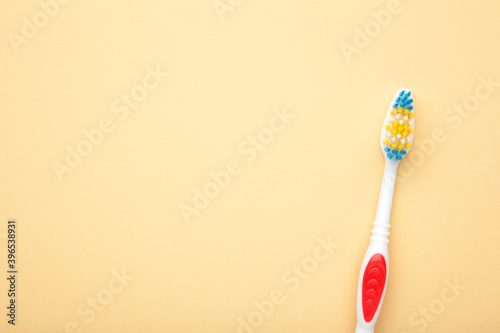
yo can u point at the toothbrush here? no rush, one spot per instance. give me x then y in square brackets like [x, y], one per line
[395, 140]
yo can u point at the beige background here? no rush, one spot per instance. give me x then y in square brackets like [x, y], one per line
[320, 177]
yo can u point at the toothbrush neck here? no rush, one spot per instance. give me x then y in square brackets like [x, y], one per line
[384, 207]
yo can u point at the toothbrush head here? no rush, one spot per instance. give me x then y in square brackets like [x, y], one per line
[399, 126]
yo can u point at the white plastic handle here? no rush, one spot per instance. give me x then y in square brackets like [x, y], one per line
[372, 282]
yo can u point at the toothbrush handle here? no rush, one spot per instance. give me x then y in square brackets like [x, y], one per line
[375, 268]
[372, 283]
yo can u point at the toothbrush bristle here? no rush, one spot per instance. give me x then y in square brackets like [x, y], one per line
[399, 126]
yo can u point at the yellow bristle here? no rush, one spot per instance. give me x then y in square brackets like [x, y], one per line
[386, 142]
[393, 146]
[400, 147]
[410, 130]
[399, 110]
[393, 111]
[411, 115]
[404, 134]
[395, 124]
[406, 111]
[400, 128]
[388, 127]
[407, 145]
[405, 126]
[394, 131]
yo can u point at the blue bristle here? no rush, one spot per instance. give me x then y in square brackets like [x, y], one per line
[390, 156]
[387, 149]
[406, 105]
[403, 152]
[399, 157]
[403, 101]
[394, 151]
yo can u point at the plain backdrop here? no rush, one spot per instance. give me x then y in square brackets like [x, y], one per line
[333, 68]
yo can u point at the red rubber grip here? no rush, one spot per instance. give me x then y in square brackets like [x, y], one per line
[373, 285]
